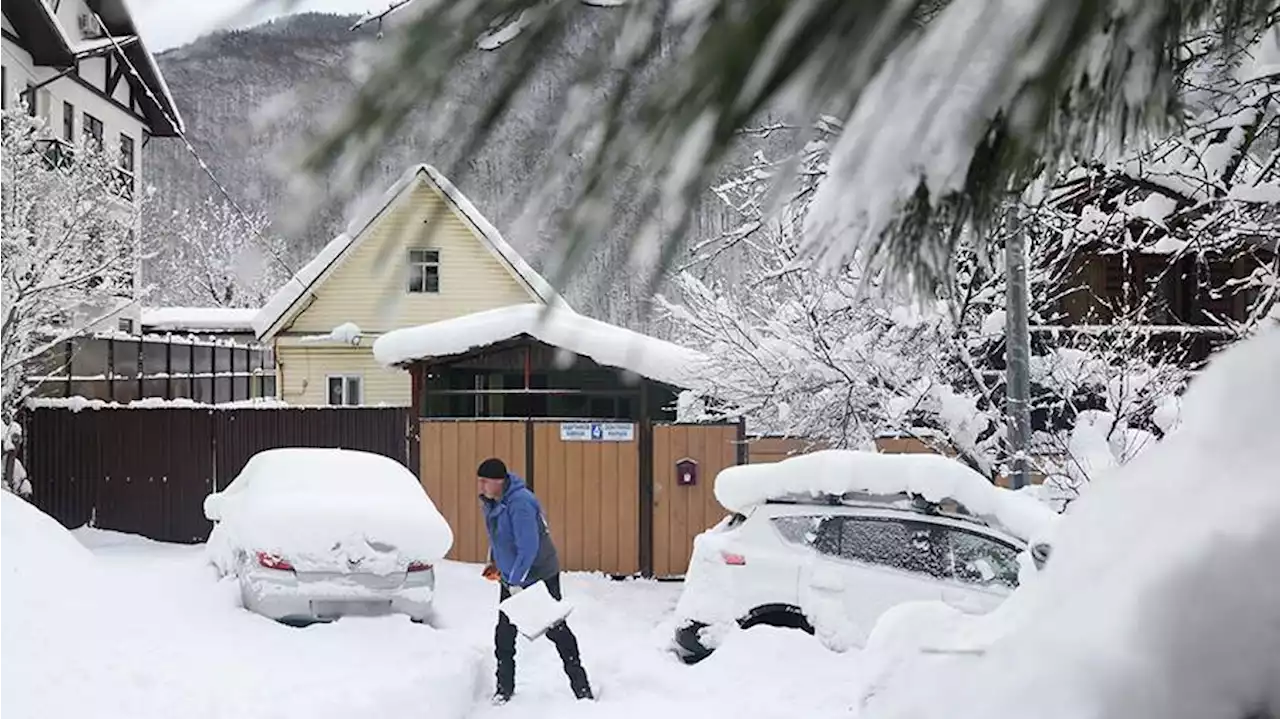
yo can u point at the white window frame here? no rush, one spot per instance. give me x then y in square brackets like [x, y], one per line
[419, 268]
[346, 379]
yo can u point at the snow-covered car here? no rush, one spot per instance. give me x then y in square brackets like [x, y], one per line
[317, 534]
[827, 542]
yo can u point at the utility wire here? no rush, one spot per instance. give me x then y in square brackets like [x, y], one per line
[177, 127]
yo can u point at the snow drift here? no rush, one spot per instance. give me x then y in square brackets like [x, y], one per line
[837, 472]
[1162, 598]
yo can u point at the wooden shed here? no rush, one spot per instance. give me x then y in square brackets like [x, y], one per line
[585, 412]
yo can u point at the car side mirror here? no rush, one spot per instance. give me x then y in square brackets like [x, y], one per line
[213, 507]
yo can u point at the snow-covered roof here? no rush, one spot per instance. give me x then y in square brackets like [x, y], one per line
[839, 471]
[296, 289]
[205, 319]
[50, 43]
[604, 343]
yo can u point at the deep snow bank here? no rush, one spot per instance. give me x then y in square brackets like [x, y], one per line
[1162, 598]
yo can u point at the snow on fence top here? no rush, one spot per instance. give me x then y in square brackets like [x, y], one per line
[838, 471]
[607, 344]
[77, 404]
[301, 283]
[198, 318]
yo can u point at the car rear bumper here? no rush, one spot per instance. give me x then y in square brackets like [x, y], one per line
[303, 598]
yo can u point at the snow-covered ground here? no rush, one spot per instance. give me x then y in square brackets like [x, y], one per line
[136, 629]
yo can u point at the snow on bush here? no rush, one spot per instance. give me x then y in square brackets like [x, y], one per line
[299, 503]
[836, 471]
[1162, 597]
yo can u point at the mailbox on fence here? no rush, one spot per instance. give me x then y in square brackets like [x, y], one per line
[686, 472]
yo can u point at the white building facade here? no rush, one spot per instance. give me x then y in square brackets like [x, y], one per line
[81, 66]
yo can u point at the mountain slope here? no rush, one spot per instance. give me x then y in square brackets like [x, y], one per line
[302, 68]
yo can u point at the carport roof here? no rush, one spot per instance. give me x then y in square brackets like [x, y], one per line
[606, 344]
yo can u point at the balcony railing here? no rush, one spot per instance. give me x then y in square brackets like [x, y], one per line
[58, 153]
[125, 183]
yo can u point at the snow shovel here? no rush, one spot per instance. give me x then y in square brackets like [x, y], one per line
[533, 611]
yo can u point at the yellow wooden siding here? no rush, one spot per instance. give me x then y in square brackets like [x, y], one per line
[301, 375]
[369, 287]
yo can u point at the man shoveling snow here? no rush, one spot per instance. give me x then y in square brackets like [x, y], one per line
[522, 555]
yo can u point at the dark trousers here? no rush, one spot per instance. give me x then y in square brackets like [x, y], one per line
[504, 640]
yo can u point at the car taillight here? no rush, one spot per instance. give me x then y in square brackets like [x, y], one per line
[736, 560]
[274, 561]
[419, 566]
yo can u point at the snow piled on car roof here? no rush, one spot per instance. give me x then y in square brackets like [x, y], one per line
[838, 472]
[300, 502]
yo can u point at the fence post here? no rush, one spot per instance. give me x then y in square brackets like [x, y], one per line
[111, 368]
[213, 371]
[69, 357]
[141, 386]
[168, 366]
[191, 367]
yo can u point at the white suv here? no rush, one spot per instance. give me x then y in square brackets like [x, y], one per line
[830, 565]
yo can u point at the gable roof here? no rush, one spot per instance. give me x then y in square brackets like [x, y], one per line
[606, 344]
[288, 300]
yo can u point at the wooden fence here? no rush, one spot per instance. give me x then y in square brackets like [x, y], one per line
[615, 506]
[147, 471]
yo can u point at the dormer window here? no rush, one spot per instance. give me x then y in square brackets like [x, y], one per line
[424, 271]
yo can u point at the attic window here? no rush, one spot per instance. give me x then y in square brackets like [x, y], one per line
[424, 271]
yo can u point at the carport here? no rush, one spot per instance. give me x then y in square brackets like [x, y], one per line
[585, 412]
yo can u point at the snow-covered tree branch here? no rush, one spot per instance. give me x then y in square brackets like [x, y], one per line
[832, 358]
[69, 255]
[211, 255]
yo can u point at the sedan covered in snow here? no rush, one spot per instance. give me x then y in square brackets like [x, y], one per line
[316, 534]
[828, 542]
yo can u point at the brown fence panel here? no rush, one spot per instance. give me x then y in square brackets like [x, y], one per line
[241, 433]
[681, 512]
[63, 463]
[590, 493]
[775, 449]
[138, 471]
[147, 471]
[450, 453]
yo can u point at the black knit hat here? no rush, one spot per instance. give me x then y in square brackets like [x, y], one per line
[492, 468]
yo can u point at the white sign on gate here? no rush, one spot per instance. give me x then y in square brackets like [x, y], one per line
[597, 431]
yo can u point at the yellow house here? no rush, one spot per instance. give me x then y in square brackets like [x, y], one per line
[421, 253]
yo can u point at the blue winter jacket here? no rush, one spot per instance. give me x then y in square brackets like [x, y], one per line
[519, 543]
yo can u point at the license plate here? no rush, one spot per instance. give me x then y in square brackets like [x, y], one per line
[350, 608]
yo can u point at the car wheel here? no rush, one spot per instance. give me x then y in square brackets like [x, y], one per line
[688, 643]
[777, 615]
